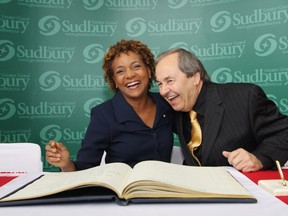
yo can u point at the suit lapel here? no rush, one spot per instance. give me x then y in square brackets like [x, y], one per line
[213, 118]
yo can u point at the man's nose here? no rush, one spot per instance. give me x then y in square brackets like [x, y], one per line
[163, 90]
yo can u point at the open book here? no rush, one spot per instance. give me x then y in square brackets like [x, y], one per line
[148, 181]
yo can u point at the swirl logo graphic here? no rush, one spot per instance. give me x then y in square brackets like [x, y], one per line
[220, 21]
[93, 5]
[49, 81]
[49, 25]
[90, 104]
[7, 108]
[93, 53]
[176, 4]
[50, 132]
[265, 45]
[135, 27]
[7, 50]
[222, 75]
[272, 98]
[182, 45]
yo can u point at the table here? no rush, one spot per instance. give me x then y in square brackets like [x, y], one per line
[265, 175]
[267, 205]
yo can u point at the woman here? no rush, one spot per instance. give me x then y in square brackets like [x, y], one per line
[135, 125]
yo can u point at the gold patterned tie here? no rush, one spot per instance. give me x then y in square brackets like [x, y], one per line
[196, 135]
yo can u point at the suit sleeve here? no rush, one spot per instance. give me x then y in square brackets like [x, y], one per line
[270, 128]
[95, 141]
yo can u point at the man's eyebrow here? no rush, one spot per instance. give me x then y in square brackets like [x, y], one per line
[168, 77]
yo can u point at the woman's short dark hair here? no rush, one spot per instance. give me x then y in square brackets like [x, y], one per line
[124, 46]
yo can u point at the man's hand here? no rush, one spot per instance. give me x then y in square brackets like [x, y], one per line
[242, 160]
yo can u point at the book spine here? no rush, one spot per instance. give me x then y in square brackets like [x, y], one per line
[121, 202]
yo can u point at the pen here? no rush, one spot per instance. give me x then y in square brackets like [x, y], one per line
[280, 173]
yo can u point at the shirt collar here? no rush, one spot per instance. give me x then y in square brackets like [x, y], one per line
[125, 112]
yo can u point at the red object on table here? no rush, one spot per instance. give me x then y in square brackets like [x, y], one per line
[265, 175]
[5, 179]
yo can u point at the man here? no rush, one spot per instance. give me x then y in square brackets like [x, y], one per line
[239, 125]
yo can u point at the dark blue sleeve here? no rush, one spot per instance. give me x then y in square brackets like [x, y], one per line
[95, 141]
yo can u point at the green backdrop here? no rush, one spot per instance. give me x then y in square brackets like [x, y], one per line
[51, 53]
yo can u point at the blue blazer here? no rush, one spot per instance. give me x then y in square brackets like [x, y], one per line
[116, 129]
[237, 115]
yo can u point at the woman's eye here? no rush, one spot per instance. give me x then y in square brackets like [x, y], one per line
[136, 66]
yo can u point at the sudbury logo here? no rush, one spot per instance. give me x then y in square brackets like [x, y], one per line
[47, 54]
[55, 132]
[93, 5]
[50, 81]
[15, 136]
[223, 50]
[50, 132]
[259, 17]
[177, 4]
[93, 53]
[136, 27]
[182, 45]
[13, 24]
[7, 50]
[222, 75]
[89, 104]
[120, 5]
[46, 109]
[220, 21]
[46, 3]
[51, 25]
[14, 82]
[265, 45]
[262, 76]
[7, 108]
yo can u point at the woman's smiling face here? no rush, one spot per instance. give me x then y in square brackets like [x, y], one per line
[130, 75]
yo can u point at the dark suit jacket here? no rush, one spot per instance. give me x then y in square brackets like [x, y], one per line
[237, 116]
[117, 129]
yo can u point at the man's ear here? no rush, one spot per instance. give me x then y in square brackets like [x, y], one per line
[197, 78]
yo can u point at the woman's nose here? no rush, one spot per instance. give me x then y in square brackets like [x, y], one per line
[129, 73]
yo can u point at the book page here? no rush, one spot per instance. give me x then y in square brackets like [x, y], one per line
[208, 180]
[108, 175]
